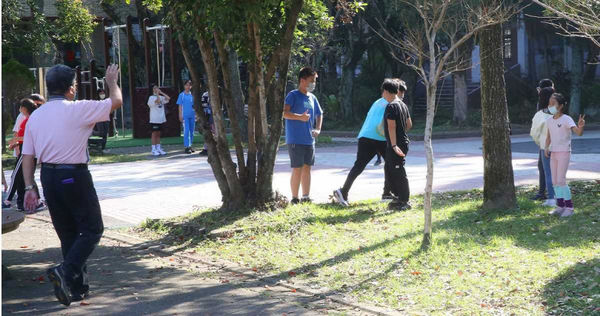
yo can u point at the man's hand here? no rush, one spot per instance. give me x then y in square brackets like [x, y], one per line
[180, 118]
[316, 132]
[547, 153]
[31, 201]
[398, 151]
[304, 117]
[581, 122]
[112, 74]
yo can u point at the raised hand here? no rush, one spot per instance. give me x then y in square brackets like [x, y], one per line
[112, 74]
[581, 122]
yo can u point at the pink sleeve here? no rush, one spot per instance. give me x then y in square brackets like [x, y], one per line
[91, 111]
[28, 148]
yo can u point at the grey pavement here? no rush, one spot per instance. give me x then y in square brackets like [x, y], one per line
[126, 279]
[168, 186]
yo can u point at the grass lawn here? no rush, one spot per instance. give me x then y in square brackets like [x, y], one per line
[127, 140]
[521, 262]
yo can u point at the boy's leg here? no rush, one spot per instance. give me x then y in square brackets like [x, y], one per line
[306, 180]
[295, 181]
[364, 154]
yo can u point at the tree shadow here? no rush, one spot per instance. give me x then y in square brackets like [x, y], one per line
[575, 291]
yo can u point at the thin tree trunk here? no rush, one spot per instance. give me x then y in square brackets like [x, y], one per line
[576, 77]
[347, 85]
[237, 93]
[460, 98]
[431, 92]
[231, 107]
[498, 177]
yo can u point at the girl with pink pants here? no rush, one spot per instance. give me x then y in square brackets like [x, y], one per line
[558, 148]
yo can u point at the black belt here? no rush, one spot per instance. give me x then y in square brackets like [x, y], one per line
[64, 166]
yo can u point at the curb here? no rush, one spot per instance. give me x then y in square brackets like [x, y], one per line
[267, 280]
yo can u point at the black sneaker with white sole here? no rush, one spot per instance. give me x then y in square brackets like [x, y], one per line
[294, 201]
[61, 289]
[305, 200]
[387, 197]
[80, 296]
[340, 197]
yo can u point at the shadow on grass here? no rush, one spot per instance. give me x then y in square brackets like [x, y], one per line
[576, 291]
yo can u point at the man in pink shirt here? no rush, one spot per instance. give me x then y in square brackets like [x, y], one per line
[57, 135]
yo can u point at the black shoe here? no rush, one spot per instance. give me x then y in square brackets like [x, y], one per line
[5, 205]
[294, 201]
[387, 197]
[538, 197]
[399, 205]
[80, 296]
[61, 290]
[305, 200]
[203, 152]
[192, 150]
[188, 150]
[377, 163]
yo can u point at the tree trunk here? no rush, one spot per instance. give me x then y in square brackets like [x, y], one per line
[460, 98]
[347, 86]
[498, 178]
[237, 93]
[431, 88]
[576, 77]
[592, 63]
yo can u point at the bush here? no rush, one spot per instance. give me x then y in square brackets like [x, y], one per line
[17, 83]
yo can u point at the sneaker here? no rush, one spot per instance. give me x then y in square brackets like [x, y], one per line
[203, 152]
[155, 153]
[538, 197]
[192, 150]
[61, 291]
[294, 201]
[549, 202]
[377, 163]
[338, 195]
[160, 151]
[557, 211]
[399, 206]
[386, 197]
[568, 211]
[6, 204]
[305, 200]
[41, 207]
[188, 150]
[80, 296]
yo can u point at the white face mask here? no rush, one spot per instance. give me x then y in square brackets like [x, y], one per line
[552, 110]
[102, 96]
[311, 87]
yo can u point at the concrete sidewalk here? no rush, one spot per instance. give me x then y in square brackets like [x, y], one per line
[127, 278]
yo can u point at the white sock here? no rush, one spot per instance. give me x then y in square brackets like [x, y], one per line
[153, 147]
[158, 147]
[305, 196]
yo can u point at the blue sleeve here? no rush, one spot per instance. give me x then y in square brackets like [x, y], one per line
[180, 99]
[289, 99]
[318, 110]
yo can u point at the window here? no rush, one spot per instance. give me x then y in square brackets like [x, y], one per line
[507, 43]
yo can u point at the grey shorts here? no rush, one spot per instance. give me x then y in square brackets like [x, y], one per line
[301, 155]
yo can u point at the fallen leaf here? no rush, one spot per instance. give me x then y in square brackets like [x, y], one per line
[415, 273]
[180, 237]
[224, 281]
[459, 293]
[514, 290]
[24, 246]
[41, 278]
[84, 303]
[292, 273]
[484, 305]
[293, 290]
[460, 273]
[171, 259]
[255, 269]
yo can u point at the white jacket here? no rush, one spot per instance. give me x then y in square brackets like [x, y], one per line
[539, 130]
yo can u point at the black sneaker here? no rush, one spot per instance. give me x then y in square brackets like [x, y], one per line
[188, 150]
[203, 152]
[192, 150]
[387, 197]
[61, 290]
[399, 205]
[294, 201]
[80, 296]
[340, 197]
[305, 200]
[40, 207]
[6, 204]
[377, 163]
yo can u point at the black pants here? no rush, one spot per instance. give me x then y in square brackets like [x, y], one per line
[367, 149]
[542, 189]
[77, 219]
[395, 174]
[17, 182]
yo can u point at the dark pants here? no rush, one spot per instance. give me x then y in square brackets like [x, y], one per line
[395, 174]
[77, 219]
[367, 149]
[17, 183]
[542, 190]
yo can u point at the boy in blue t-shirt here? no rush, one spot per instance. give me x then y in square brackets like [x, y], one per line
[187, 116]
[303, 118]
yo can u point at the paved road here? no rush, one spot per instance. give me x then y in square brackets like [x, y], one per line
[169, 186]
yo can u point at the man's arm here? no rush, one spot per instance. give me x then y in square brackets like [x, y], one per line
[289, 115]
[547, 145]
[112, 73]
[31, 198]
[408, 124]
[393, 140]
[318, 124]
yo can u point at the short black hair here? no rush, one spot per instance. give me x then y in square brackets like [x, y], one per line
[401, 85]
[305, 73]
[59, 79]
[186, 82]
[545, 83]
[390, 85]
[28, 104]
[37, 97]
[544, 97]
